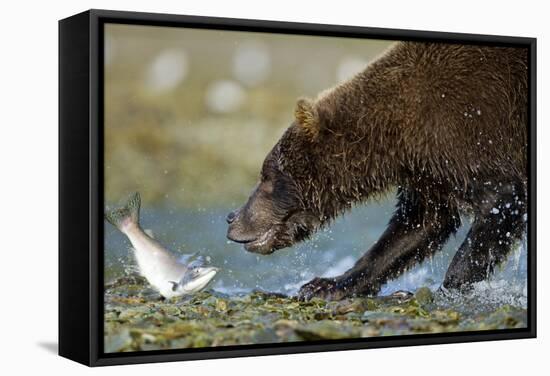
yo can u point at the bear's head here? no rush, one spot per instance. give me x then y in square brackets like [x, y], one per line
[287, 204]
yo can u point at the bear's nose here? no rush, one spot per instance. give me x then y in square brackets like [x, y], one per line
[231, 216]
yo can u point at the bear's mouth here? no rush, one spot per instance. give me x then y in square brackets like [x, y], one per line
[263, 244]
[296, 227]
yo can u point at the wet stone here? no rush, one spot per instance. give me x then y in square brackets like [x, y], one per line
[424, 296]
[117, 342]
[351, 305]
[326, 330]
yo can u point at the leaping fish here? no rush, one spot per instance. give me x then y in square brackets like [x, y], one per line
[169, 275]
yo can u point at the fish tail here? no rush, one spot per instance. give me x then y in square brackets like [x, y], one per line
[126, 215]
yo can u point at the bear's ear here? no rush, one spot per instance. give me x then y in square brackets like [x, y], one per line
[307, 118]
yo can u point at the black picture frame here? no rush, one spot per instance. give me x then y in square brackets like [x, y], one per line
[81, 187]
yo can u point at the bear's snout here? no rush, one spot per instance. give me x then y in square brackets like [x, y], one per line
[236, 230]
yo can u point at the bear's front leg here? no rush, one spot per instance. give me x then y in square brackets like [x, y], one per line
[415, 231]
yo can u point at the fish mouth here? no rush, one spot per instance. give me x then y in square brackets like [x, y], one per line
[204, 276]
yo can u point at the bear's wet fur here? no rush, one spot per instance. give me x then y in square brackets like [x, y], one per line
[445, 124]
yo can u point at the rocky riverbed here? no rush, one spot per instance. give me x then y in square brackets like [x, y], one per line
[137, 319]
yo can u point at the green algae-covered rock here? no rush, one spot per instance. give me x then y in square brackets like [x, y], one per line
[424, 296]
[327, 329]
[119, 341]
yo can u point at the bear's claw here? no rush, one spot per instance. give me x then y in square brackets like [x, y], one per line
[324, 288]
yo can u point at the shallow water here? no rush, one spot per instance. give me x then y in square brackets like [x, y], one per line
[328, 253]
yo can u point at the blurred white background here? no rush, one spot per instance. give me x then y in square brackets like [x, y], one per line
[29, 191]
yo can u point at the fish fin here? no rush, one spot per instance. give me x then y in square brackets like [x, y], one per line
[174, 285]
[127, 214]
[149, 232]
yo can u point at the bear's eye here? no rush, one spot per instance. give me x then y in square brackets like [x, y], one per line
[265, 177]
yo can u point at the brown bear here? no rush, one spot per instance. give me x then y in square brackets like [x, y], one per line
[444, 124]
